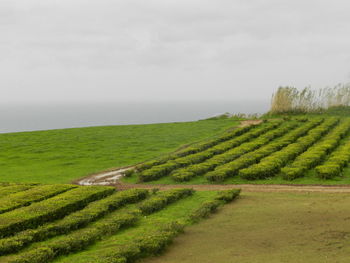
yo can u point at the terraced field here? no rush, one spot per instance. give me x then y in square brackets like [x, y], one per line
[287, 149]
[66, 223]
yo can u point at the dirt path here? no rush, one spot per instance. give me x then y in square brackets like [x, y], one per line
[245, 187]
[249, 122]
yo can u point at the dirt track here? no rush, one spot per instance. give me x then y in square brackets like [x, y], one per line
[246, 187]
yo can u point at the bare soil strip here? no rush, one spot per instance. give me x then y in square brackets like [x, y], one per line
[245, 187]
[249, 122]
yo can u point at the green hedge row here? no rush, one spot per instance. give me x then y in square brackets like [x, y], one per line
[162, 199]
[187, 173]
[15, 188]
[151, 244]
[232, 168]
[272, 164]
[77, 240]
[317, 153]
[155, 243]
[195, 148]
[50, 209]
[210, 207]
[73, 221]
[29, 196]
[334, 166]
[165, 169]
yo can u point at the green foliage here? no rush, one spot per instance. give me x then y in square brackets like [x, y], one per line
[151, 244]
[9, 189]
[316, 153]
[75, 241]
[228, 195]
[162, 199]
[50, 209]
[211, 206]
[219, 147]
[185, 174]
[339, 159]
[272, 164]
[24, 198]
[191, 155]
[232, 168]
[73, 221]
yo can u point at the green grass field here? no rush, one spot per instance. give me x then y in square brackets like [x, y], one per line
[60, 156]
[269, 227]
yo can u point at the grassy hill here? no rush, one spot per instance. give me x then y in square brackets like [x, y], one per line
[60, 156]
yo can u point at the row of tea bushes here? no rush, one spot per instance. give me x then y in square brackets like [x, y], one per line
[334, 166]
[154, 243]
[50, 209]
[6, 190]
[187, 173]
[195, 148]
[317, 153]
[73, 221]
[165, 169]
[162, 199]
[209, 207]
[78, 240]
[36, 194]
[232, 168]
[272, 164]
[75, 241]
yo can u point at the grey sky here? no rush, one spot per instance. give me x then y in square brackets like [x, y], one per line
[112, 50]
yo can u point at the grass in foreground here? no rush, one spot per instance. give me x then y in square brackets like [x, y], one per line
[269, 227]
[60, 156]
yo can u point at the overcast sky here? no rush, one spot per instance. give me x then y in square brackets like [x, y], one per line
[112, 50]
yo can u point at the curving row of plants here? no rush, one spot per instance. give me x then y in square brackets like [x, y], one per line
[50, 209]
[80, 239]
[187, 173]
[73, 221]
[6, 190]
[195, 148]
[272, 164]
[161, 200]
[165, 169]
[230, 169]
[334, 166]
[155, 242]
[36, 194]
[317, 153]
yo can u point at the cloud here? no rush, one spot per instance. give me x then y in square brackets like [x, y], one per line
[198, 49]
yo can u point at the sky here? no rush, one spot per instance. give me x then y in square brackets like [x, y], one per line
[169, 50]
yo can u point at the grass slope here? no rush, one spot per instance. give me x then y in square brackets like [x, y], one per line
[269, 227]
[59, 156]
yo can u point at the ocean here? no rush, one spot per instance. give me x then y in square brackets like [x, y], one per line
[17, 118]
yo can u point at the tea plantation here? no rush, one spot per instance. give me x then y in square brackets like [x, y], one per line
[43, 223]
[276, 151]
